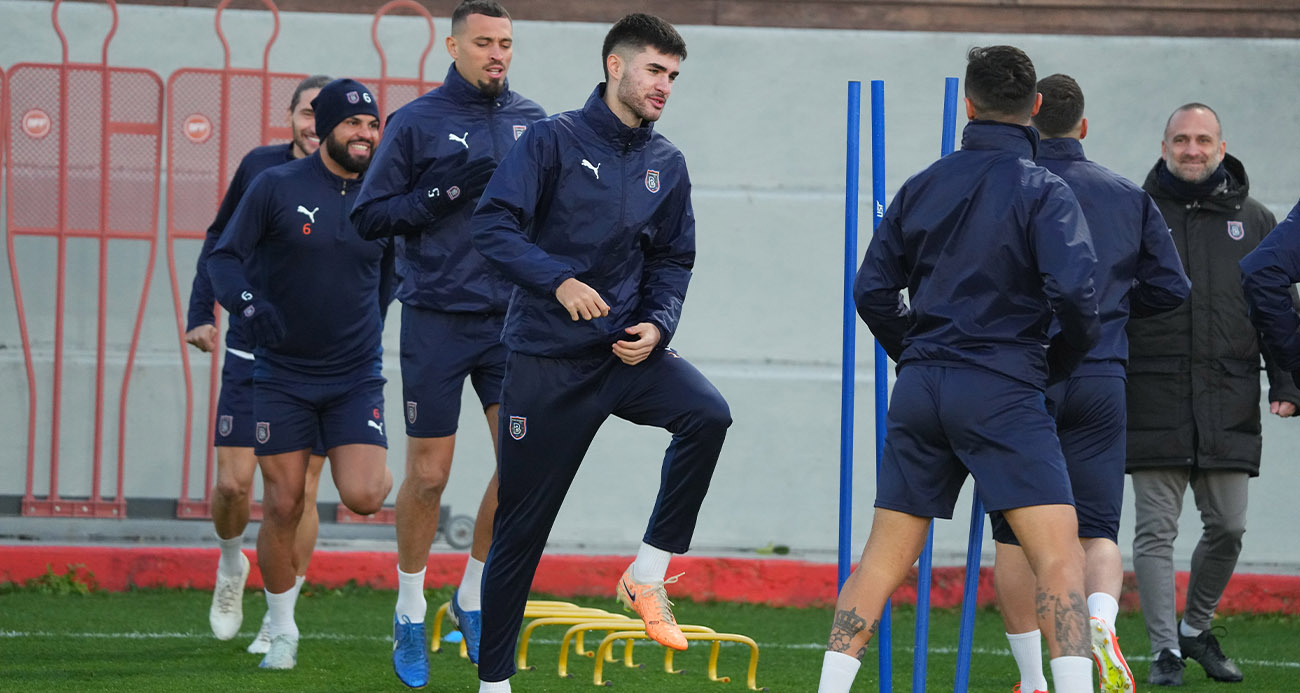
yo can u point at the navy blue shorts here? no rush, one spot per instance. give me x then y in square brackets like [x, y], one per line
[438, 351]
[235, 423]
[945, 422]
[1090, 421]
[294, 415]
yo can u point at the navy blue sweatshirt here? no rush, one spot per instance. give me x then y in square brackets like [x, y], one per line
[989, 245]
[1267, 274]
[328, 285]
[439, 266]
[583, 195]
[1138, 268]
[202, 299]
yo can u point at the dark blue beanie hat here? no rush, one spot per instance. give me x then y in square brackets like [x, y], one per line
[339, 100]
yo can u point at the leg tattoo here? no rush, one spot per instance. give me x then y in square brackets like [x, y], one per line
[844, 627]
[1069, 621]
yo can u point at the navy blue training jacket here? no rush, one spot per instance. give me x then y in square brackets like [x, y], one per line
[1138, 268]
[989, 245]
[439, 266]
[583, 195]
[202, 299]
[1267, 274]
[328, 285]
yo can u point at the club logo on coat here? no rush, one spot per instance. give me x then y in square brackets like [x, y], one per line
[410, 412]
[518, 427]
[519, 130]
[225, 423]
[263, 431]
[652, 180]
[1236, 230]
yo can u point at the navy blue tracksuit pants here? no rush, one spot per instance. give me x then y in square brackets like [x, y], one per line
[550, 412]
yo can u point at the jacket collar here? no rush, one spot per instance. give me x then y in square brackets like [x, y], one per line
[1236, 188]
[1062, 149]
[992, 134]
[607, 125]
[316, 164]
[460, 90]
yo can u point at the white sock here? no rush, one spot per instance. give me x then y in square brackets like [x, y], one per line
[1186, 630]
[494, 686]
[297, 587]
[231, 549]
[470, 585]
[1027, 648]
[279, 607]
[1104, 607]
[838, 670]
[410, 595]
[1072, 675]
[651, 564]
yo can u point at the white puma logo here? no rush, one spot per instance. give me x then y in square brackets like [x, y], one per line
[594, 169]
[310, 215]
[463, 139]
[376, 425]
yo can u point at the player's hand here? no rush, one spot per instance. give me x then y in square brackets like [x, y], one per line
[204, 337]
[1282, 409]
[261, 319]
[1062, 359]
[642, 339]
[580, 300]
[451, 181]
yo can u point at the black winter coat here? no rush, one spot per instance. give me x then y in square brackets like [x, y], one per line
[1193, 373]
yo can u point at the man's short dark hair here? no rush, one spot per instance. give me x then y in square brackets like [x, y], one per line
[313, 82]
[1191, 107]
[638, 30]
[1000, 82]
[487, 8]
[1062, 108]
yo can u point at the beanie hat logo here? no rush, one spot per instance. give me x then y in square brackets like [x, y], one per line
[353, 98]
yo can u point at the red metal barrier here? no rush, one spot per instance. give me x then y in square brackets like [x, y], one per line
[215, 116]
[82, 162]
[394, 92]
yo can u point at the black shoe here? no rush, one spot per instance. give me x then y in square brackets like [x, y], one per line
[1166, 669]
[1205, 649]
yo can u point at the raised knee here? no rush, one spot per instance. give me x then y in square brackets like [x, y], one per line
[713, 413]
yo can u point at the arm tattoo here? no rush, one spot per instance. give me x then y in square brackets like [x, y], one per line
[844, 627]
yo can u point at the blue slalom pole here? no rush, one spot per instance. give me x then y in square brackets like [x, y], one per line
[922, 639]
[884, 639]
[849, 354]
[966, 633]
[966, 636]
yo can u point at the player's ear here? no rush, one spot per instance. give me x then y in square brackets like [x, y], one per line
[1083, 128]
[452, 49]
[1038, 103]
[614, 65]
[970, 109]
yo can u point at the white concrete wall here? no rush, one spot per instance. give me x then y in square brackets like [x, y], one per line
[760, 115]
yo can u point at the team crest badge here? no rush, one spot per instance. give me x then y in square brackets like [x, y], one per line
[518, 427]
[652, 180]
[1236, 230]
[225, 423]
[410, 412]
[519, 130]
[353, 97]
[263, 431]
